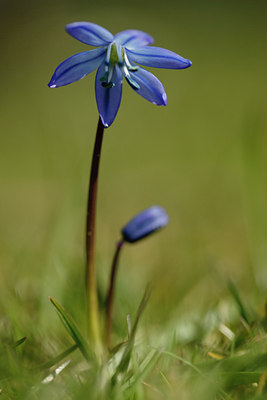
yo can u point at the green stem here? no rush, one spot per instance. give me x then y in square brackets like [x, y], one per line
[90, 278]
[110, 296]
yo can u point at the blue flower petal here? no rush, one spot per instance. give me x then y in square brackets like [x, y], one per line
[77, 67]
[133, 38]
[89, 33]
[145, 223]
[150, 87]
[157, 57]
[108, 99]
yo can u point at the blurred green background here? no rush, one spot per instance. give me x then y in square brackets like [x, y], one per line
[203, 158]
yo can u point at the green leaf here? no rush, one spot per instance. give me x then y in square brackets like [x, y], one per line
[235, 371]
[20, 341]
[186, 362]
[143, 369]
[233, 379]
[58, 358]
[244, 363]
[128, 350]
[73, 330]
[242, 309]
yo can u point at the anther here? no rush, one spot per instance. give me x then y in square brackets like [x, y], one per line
[108, 85]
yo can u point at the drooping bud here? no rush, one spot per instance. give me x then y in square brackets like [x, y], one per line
[143, 224]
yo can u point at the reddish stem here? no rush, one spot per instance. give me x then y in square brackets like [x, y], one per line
[110, 296]
[90, 278]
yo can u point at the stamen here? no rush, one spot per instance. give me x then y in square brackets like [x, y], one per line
[132, 83]
[110, 73]
[129, 79]
[132, 68]
[104, 78]
[109, 68]
[107, 60]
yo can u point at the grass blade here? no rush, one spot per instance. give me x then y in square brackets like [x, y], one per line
[73, 330]
[242, 309]
[144, 369]
[186, 362]
[128, 350]
[58, 358]
[20, 341]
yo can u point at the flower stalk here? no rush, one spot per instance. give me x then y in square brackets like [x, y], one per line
[111, 290]
[142, 225]
[90, 276]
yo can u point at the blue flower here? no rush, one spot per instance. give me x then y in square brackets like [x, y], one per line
[145, 223]
[115, 57]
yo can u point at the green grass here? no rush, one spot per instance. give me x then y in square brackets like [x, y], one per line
[203, 157]
[216, 353]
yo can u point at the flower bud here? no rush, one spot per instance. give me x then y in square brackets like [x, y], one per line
[145, 223]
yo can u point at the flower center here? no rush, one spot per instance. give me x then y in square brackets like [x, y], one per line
[116, 55]
[114, 58]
